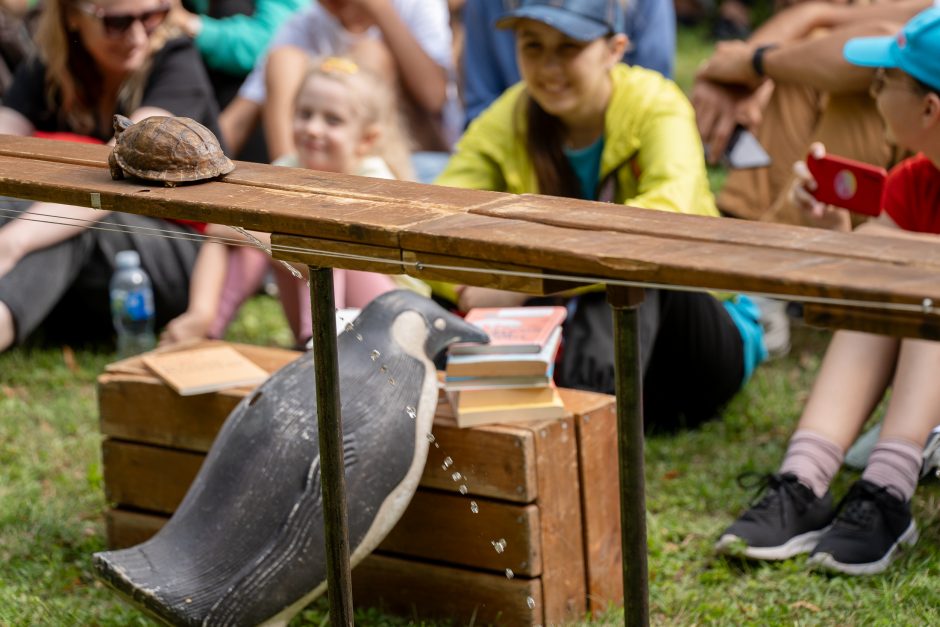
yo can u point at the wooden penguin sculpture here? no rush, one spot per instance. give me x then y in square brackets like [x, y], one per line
[246, 545]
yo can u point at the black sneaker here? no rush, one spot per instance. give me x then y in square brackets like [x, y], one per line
[872, 526]
[788, 520]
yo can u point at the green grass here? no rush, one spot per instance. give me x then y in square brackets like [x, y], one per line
[51, 505]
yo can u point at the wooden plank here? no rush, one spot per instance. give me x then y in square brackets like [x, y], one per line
[134, 473]
[594, 216]
[263, 209]
[262, 175]
[436, 526]
[361, 188]
[94, 155]
[414, 588]
[421, 265]
[317, 252]
[496, 461]
[898, 324]
[546, 210]
[143, 409]
[421, 219]
[147, 477]
[126, 528]
[136, 405]
[563, 567]
[397, 584]
[441, 527]
[595, 420]
[712, 265]
[430, 224]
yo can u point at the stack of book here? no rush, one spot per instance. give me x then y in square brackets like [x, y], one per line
[509, 379]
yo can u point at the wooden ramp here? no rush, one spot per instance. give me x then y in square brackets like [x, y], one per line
[432, 232]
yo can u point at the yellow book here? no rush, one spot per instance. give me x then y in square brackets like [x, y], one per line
[480, 407]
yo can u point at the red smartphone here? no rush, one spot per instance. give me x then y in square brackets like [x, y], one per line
[853, 185]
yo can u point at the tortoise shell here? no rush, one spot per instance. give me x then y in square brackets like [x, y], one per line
[170, 150]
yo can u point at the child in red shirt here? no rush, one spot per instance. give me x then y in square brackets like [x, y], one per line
[873, 523]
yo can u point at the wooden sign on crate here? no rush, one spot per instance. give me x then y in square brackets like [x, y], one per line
[526, 544]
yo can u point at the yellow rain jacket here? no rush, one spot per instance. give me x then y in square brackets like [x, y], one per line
[651, 144]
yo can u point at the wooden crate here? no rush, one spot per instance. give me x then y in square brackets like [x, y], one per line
[549, 489]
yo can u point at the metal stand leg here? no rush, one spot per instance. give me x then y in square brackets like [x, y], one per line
[330, 426]
[629, 389]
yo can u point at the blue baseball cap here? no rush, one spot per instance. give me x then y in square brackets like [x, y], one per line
[915, 49]
[583, 20]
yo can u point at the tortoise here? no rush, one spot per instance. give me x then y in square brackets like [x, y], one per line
[167, 149]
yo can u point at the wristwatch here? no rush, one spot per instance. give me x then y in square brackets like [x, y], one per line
[757, 60]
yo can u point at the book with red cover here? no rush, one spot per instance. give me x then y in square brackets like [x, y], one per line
[512, 329]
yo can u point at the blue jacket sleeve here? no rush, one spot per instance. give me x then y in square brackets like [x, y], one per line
[489, 60]
[651, 27]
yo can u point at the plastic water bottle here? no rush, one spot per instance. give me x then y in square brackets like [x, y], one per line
[132, 305]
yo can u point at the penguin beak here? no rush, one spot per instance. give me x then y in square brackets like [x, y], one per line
[449, 329]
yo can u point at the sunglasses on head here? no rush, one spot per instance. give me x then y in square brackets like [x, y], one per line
[117, 24]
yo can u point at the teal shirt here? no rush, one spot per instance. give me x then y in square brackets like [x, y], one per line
[235, 44]
[586, 163]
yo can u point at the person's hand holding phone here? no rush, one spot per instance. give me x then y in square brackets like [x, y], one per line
[802, 192]
[721, 109]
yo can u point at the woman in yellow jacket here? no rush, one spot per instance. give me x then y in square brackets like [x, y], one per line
[583, 125]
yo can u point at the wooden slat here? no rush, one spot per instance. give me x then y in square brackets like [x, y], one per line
[496, 461]
[595, 419]
[440, 527]
[413, 588]
[594, 216]
[494, 464]
[561, 212]
[126, 528]
[563, 568]
[94, 155]
[319, 250]
[262, 175]
[557, 236]
[147, 477]
[258, 208]
[397, 584]
[527, 284]
[714, 265]
[436, 527]
[900, 324]
[161, 416]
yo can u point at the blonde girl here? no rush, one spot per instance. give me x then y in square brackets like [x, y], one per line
[345, 120]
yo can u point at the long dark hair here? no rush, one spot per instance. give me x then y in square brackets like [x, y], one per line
[545, 139]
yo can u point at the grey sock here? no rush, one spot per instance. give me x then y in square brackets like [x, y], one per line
[894, 463]
[813, 459]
